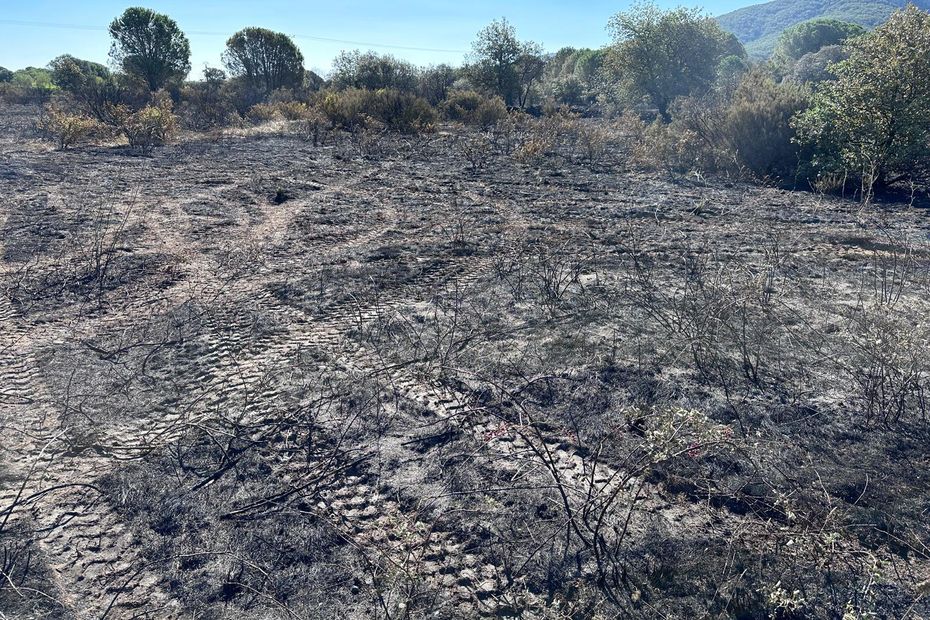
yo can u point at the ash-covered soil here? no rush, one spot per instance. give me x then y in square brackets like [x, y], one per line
[248, 377]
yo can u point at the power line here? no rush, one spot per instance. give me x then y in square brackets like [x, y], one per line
[34, 24]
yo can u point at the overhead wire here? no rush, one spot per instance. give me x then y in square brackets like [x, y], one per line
[38, 24]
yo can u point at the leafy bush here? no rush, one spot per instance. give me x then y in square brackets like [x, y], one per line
[354, 108]
[206, 104]
[434, 83]
[756, 125]
[372, 71]
[873, 121]
[346, 109]
[29, 85]
[64, 128]
[401, 111]
[153, 125]
[817, 66]
[92, 87]
[811, 36]
[473, 108]
[572, 75]
[658, 56]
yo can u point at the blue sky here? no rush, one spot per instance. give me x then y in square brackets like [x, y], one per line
[32, 32]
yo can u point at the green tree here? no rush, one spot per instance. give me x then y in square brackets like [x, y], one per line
[503, 65]
[658, 55]
[264, 59]
[33, 77]
[92, 86]
[817, 66]
[150, 46]
[5, 75]
[571, 75]
[873, 121]
[810, 36]
[435, 82]
[372, 71]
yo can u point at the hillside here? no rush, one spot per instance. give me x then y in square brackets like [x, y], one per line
[759, 25]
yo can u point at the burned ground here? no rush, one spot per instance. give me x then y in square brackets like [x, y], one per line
[250, 377]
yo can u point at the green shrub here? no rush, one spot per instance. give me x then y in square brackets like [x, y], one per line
[473, 108]
[346, 109]
[354, 108]
[873, 120]
[401, 111]
[29, 85]
[153, 125]
[748, 131]
[756, 125]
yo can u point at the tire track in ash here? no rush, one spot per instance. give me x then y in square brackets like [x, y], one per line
[91, 551]
[88, 549]
[95, 561]
[370, 516]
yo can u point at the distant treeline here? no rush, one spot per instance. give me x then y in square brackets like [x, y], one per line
[834, 105]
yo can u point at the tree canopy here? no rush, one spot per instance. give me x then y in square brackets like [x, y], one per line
[659, 55]
[810, 36]
[372, 71]
[150, 46]
[266, 60]
[503, 65]
[873, 121]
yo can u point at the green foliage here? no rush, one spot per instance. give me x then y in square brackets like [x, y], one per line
[760, 25]
[756, 125]
[473, 108]
[504, 66]
[810, 36]
[64, 128]
[572, 75]
[150, 46]
[5, 75]
[373, 71]
[873, 121]
[33, 78]
[154, 125]
[356, 108]
[817, 66]
[264, 60]
[658, 55]
[91, 85]
[434, 83]
[29, 85]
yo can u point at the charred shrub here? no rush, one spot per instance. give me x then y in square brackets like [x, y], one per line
[64, 128]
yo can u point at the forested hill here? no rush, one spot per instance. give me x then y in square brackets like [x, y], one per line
[759, 25]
